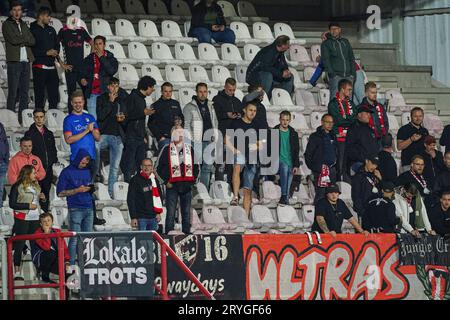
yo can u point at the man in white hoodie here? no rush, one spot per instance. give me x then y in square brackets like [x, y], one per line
[200, 121]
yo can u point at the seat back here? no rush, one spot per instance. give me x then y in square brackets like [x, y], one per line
[212, 215]
[128, 73]
[174, 73]
[230, 53]
[113, 216]
[207, 52]
[299, 53]
[170, 29]
[56, 24]
[221, 190]
[161, 51]
[180, 8]
[316, 119]
[9, 118]
[395, 98]
[212, 92]
[346, 190]
[308, 212]
[237, 215]
[315, 52]
[262, 31]
[220, 74]
[324, 97]
[102, 192]
[198, 74]
[101, 27]
[157, 7]
[262, 214]
[227, 8]
[137, 50]
[124, 28]
[60, 215]
[27, 117]
[393, 123]
[287, 214]
[185, 95]
[55, 119]
[406, 118]
[240, 30]
[120, 191]
[246, 9]
[134, 7]
[116, 49]
[308, 73]
[240, 72]
[250, 51]
[308, 98]
[111, 7]
[281, 97]
[148, 29]
[271, 191]
[299, 121]
[184, 51]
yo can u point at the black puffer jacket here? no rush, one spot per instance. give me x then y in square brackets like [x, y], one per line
[314, 153]
[140, 197]
[223, 103]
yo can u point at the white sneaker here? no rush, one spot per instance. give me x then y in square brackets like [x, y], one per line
[18, 276]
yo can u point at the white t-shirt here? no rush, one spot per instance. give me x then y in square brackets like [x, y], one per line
[33, 215]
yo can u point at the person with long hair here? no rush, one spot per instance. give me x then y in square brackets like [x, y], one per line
[24, 200]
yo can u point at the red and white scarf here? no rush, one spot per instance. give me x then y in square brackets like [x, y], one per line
[157, 204]
[379, 109]
[175, 166]
[342, 131]
[324, 178]
[419, 178]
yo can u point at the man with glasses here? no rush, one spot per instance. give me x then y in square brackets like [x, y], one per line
[44, 147]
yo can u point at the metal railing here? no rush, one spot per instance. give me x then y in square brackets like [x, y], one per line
[3, 246]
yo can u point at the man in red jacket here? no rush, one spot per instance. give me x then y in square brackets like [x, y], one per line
[22, 158]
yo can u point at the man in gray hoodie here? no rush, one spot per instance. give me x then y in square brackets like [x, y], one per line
[18, 43]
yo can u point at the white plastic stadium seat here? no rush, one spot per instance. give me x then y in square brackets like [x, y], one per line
[262, 32]
[208, 53]
[184, 52]
[396, 100]
[199, 74]
[288, 215]
[250, 51]
[125, 29]
[299, 54]
[231, 55]
[103, 197]
[285, 29]
[55, 119]
[171, 29]
[346, 191]
[281, 99]
[176, 76]
[185, 96]
[120, 191]
[60, 215]
[56, 24]
[7, 217]
[161, 54]
[221, 190]
[149, 31]
[152, 71]
[63, 97]
[212, 92]
[213, 215]
[273, 118]
[114, 220]
[298, 79]
[220, 74]
[303, 195]
[238, 216]
[180, 8]
[158, 8]
[308, 216]
[261, 214]
[102, 27]
[138, 52]
[128, 76]
[228, 10]
[56, 201]
[316, 120]
[315, 52]
[242, 33]
[134, 7]
[246, 9]
[239, 94]
[202, 196]
[308, 99]
[240, 73]
[9, 119]
[393, 124]
[271, 192]
[406, 118]
[3, 99]
[27, 117]
[324, 97]
[117, 49]
[299, 123]
[197, 226]
[111, 7]
[433, 123]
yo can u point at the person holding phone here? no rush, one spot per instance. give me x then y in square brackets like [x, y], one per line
[75, 184]
[24, 200]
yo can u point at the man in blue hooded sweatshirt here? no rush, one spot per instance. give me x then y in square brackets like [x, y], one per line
[75, 184]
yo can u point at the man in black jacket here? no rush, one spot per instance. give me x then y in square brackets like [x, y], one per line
[321, 156]
[380, 211]
[167, 112]
[289, 146]
[44, 147]
[434, 160]
[270, 69]
[365, 184]
[177, 170]
[111, 115]
[135, 135]
[228, 109]
[144, 198]
[208, 23]
[361, 142]
[98, 68]
[388, 166]
[439, 215]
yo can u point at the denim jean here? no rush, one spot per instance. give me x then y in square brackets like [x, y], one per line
[163, 143]
[115, 145]
[205, 35]
[80, 220]
[92, 105]
[133, 155]
[172, 195]
[147, 224]
[206, 168]
[3, 170]
[18, 82]
[268, 83]
[358, 88]
[286, 177]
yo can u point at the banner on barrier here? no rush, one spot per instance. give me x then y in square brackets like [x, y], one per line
[427, 250]
[119, 264]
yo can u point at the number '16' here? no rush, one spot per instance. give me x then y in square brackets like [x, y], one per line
[220, 249]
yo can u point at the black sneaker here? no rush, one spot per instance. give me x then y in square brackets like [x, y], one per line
[283, 201]
[98, 179]
[46, 278]
[99, 222]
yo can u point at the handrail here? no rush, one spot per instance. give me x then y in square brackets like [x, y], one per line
[59, 236]
[4, 268]
[166, 249]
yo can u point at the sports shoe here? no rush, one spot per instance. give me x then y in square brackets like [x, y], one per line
[99, 222]
[234, 202]
[18, 277]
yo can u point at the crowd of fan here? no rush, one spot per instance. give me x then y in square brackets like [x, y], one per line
[353, 143]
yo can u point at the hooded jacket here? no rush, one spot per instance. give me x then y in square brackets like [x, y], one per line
[73, 177]
[198, 16]
[223, 104]
[108, 68]
[338, 58]
[268, 59]
[14, 40]
[135, 120]
[44, 146]
[162, 121]
[46, 39]
[107, 111]
[315, 151]
[360, 143]
[19, 161]
[193, 121]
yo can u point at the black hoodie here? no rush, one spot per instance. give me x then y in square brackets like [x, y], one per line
[107, 111]
[162, 121]
[223, 104]
[135, 120]
[44, 146]
[46, 39]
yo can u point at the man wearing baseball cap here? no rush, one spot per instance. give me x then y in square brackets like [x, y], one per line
[330, 213]
[380, 211]
[365, 185]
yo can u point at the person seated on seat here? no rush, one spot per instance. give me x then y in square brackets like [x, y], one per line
[208, 23]
[409, 206]
[44, 252]
[330, 213]
[440, 215]
[380, 211]
[270, 69]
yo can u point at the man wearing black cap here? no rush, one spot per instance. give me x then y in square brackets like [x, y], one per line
[338, 58]
[365, 184]
[387, 166]
[380, 211]
[330, 213]
[440, 215]
[361, 142]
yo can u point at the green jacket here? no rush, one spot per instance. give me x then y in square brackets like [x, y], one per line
[338, 58]
[14, 40]
[339, 120]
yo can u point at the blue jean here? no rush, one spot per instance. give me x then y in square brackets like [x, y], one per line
[286, 177]
[205, 35]
[3, 170]
[92, 105]
[115, 145]
[172, 195]
[133, 155]
[267, 81]
[163, 143]
[248, 175]
[358, 88]
[80, 220]
[147, 224]
[206, 168]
